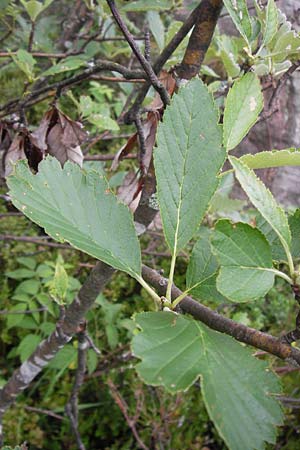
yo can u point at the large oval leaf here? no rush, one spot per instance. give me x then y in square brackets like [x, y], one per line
[263, 200]
[187, 160]
[236, 387]
[77, 206]
[243, 104]
[246, 261]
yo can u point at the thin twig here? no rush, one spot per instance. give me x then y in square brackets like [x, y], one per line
[162, 59]
[120, 401]
[222, 324]
[71, 407]
[10, 214]
[99, 66]
[156, 83]
[31, 36]
[47, 412]
[276, 93]
[33, 240]
[108, 157]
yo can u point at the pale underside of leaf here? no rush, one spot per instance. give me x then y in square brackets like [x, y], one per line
[243, 105]
[263, 200]
[78, 207]
[274, 158]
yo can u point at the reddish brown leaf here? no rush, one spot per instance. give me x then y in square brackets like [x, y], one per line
[38, 137]
[125, 150]
[60, 136]
[169, 83]
[64, 140]
[14, 154]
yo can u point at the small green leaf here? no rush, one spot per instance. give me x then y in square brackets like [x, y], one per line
[239, 14]
[25, 62]
[187, 159]
[147, 5]
[34, 8]
[229, 55]
[294, 223]
[65, 357]
[157, 28]
[243, 105]
[202, 270]
[245, 259]
[274, 158]
[78, 207]
[264, 201]
[70, 63]
[30, 263]
[60, 283]
[28, 287]
[237, 388]
[16, 319]
[19, 274]
[271, 24]
[28, 345]
[103, 122]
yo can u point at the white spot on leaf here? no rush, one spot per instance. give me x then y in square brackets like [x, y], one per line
[252, 104]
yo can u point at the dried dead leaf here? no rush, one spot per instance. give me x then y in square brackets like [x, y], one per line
[14, 153]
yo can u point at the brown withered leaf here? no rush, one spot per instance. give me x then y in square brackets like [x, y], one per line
[125, 150]
[22, 148]
[149, 125]
[5, 143]
[169, 83]
[38, 137]
[60, 136]
[127, 191]
[149, 130]
[14, 154]
[64, 140]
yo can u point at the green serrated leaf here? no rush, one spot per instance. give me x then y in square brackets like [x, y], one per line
[25, 62]
[202, 270]
[239, 14]
[274, 158]
[243, 105]
[271, 23]
[237, 388]
[78, 207]
[187, 160]
[264, 201]
[245, 258]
